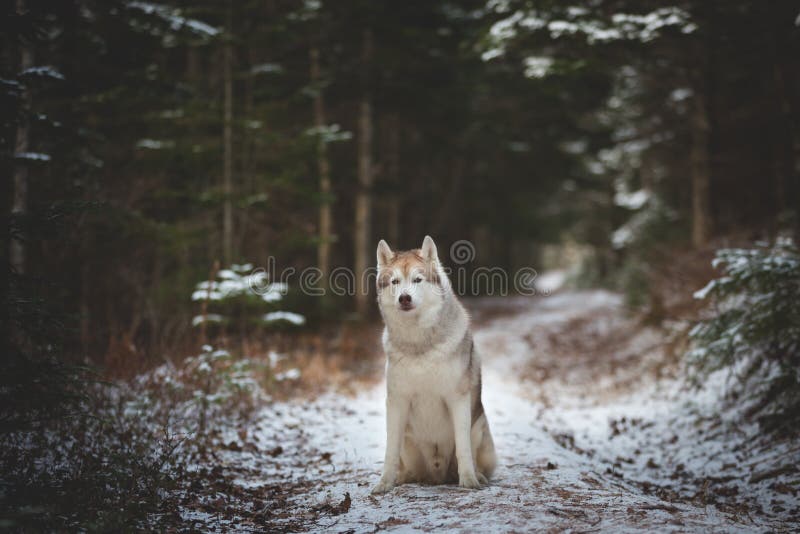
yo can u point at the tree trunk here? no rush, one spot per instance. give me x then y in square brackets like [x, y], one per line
[701, 173]
[227, 172]
[192, 64]
[700, 127]
[20, 204]
[785, 164]
[247, 160]
[393, 171]
[323, 166]
[363, 210]
[452, 197]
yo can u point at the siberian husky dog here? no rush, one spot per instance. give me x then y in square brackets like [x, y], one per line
[436, 428]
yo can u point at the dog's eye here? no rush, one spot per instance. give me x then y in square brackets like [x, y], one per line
[395, 281]
[417, 280]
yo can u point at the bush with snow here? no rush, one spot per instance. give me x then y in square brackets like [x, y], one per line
[243, 298]
[121, 460]
[104, 468]
[200, 395]
[650, 227]
[755, 330]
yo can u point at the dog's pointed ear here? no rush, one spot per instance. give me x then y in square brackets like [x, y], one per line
[429, 252]
[384, 253]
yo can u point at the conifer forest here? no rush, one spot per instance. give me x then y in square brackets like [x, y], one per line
[192, 307]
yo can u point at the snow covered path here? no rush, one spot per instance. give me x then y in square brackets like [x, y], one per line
[539, 484]
[544, 481]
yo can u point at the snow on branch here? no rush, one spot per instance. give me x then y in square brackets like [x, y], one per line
[266, 68]
[32, 156]
[174, 18]
[537, 66]
[294, 318]
[43, 71]
[330, 133]
[576, 21]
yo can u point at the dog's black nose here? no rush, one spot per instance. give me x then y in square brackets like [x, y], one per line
[405, 298]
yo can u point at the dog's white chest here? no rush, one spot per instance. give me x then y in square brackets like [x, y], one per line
[425, 374]
[425, 383]
[429, 420]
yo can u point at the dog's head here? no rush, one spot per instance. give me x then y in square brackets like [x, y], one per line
[411, 282]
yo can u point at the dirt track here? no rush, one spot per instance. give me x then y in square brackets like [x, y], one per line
[575, 396]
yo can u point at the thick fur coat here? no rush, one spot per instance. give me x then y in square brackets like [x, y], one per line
[436, 428]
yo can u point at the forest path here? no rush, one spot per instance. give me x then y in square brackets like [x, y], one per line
[535, 388]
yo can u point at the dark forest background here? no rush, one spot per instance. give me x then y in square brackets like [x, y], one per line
[144, 142]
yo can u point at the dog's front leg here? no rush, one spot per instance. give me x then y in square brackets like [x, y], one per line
[461, 412]
[396, 418]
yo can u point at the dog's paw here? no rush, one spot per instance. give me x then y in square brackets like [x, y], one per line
[469, 481]
[383, 486]
[482, 479]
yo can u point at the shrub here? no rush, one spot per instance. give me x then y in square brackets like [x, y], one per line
[241, 299]
[640, 243]
[755, 331]
[101, 472]
[202, 395]
[122, 462]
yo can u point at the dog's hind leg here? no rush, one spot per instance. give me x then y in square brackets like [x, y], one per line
[483, 449]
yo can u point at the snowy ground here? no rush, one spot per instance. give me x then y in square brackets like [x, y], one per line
[590, 436]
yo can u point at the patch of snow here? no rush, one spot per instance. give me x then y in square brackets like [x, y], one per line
[537, 66]
[208, 318]
[330, 133]
[621, 237]
[43, 71]
[173, 17]
[595, 167]
[680, 94]
[154, 144]
[274, 358]
[32, 156]
[12, 85]
[631, 201]
[498, 6]
[550, 281]
[227, 274]
[575, 12]
[647, 27]
[266, 68]
[669, 436]
[233, 284]
[621, 26]
[291, 374]
[574, 147]
[492, 53]
[558, 28]
[294, 318]
[504, 29]
[702, 293]
[274, 292]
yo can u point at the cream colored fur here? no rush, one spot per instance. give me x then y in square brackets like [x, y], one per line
[436, 429]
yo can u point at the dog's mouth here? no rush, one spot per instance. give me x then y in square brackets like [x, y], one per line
[406, 306]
